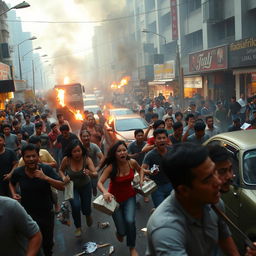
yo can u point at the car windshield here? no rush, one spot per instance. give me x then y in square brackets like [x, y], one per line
[90, 102]
[131, 124]
[249, 163]
[121, 112]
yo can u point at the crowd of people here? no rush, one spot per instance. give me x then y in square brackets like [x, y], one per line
[41, 157]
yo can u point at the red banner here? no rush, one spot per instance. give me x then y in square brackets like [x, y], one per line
[174, 15]
[213, 59]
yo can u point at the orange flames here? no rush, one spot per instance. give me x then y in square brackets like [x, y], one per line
[61, 96]
[124, 81]
[61, 100]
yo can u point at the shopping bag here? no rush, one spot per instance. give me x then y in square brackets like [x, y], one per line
[69, 191]
[106, 207]
[147, 188]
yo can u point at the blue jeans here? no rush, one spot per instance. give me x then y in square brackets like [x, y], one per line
[124, 218]
[161, 193]
[81, 201]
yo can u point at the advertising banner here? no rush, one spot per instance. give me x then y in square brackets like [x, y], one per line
[209, 60]
[174, 17]
[164, 71]
[242, 53]
[193, 82]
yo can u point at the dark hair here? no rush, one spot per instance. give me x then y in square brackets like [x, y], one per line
[64, 127]
[29, 147]
[83, 131]
[208, 117]
[38, 125]
[15, 122]
[189, 116]
[178, 113]
[138, 131]
[178, 164]
[218, 153]
[154, 115]
[37, 117]
[6, 126]
[142, 111]
[53, 125]
[150, 109]
[27, 115]
[59, 115]
[177, 125]
[157, 123]
[2, 136]
[160, 131]
[74, 144]
[44, 116]
[34, 139]
[111, 158]
[199, 126]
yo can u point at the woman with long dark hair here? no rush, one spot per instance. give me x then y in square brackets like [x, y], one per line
[78, 167]
[120, 169]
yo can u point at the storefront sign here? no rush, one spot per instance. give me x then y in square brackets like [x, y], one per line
[213, 59]
[193, 82]
[174, 19]
[243, 53]
[5, 73]
[253, 77]
[164, 71]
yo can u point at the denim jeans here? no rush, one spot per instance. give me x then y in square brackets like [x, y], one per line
[124, 218]
[161, 193]
[81, 202]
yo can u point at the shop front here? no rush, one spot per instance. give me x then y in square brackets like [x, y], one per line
[164, 80]
[212, 67]
[242, 60]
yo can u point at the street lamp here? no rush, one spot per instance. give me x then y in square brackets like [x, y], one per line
[18, 46]
[18, 6]
[152, 32]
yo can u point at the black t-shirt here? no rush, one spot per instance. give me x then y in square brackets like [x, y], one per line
[174, 140]
[36, 194]
[65, 142]
[7, 160]
[234, 107]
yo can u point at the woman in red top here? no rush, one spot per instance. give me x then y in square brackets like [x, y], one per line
[120, 169]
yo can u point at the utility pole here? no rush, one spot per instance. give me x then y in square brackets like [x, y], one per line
[180, 77]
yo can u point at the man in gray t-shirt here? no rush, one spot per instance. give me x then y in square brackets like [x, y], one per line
[19, 234]
[185, 223]
[11, 140]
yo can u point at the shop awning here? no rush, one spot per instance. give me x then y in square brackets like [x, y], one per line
[7, 86]
[160, 82]
[244, 71]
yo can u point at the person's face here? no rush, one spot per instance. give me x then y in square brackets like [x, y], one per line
[139, 137]
[65, 134]
[85, 138]
[77, 153]
[154, 119]
[39, 130]
[1, 142]
[179, 118]
[91, 120]
[161, 140]
[191, 121]
[225, 174]
[178, 132]
[157, 103]
[60, 118]
[199, 134]
[209, 123]
[193, 107]
[55, 128]
[19, 136]
[169, 123]
[121, 153]
[170, 111]
[27, 119]
[31, 159]
[7, 130]
[205, 187]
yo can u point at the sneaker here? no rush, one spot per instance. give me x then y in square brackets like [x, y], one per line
[78, 232]
[89, 220]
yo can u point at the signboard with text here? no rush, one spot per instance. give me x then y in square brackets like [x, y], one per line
[5, 72]
[242, 53]
[174, 15]
[193, 82]
[164, 71]
[209, 60]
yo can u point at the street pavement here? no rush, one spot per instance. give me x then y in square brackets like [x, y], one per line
[66, 244]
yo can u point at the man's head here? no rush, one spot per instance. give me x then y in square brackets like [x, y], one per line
[233, 99]
[15, 125]
[44, 117]
[39, 128]
[237, 122]
[54, 127]
[30, 155]
[64, 129]
[158, 124]
[154, 117]
[161, 138]
[219, 104]
[35, 140]
[168, 120]
[7, 129]
[178, 116]
[177, 129]
[60, 117]
[169, 111]
[199, 129]
[2, 141]
[150, 110]
[158, 104]
[192, 174]
[221, 157]
[190, 119]
[139, 135]
[192, 106]
[27, 119]
[209, 122]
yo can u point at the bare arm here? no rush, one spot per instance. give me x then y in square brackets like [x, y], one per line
[34, 244]
[228, 247]
[91, 167]
[147, 132]
[101, 158]
[139, 169]
[147, 148]
[14, 193]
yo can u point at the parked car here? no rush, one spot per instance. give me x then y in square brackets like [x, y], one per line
[240, 201]
[123, 127]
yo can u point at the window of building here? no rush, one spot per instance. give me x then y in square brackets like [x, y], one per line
[150, 5]
[225, 29]
[193, 41]
[193, 5]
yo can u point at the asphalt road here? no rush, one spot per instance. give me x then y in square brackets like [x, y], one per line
[67, 244]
